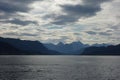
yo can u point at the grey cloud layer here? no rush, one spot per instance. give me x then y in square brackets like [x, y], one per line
[89, 21]
[91, 32]
[11, 6]
[74, 12]
[21, 34]
[20, 22]
[105, 33]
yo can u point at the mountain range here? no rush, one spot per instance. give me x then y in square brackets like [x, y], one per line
[103, 50]
[10, 46]
[23, 47]
[72, 48]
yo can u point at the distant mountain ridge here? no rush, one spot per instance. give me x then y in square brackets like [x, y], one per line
[72, 48]
[100, 45]
[103, 50]
[78, 48]
[10, 46]
[25, 47]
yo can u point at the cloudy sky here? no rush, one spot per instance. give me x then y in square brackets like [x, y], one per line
[88, 21]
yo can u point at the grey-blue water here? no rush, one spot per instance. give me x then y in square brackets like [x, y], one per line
[59, 68]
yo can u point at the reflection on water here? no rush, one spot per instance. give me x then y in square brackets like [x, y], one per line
[59, 68]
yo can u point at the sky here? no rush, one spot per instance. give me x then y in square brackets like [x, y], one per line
[53, 21]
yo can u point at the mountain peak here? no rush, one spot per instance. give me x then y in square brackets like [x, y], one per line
[77, 42]
[60, 43]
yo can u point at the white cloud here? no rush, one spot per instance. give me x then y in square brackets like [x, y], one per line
[44, 12]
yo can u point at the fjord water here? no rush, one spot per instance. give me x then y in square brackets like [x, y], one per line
[59, 68]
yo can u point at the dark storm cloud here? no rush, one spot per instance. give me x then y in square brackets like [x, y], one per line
[20, 22]
[91, 32]
[10, 33]
[27, 34]
[116, 27]
[11, 6]
[74, 12]
[107, 33]
[104, 33]
[20, 34]
[94, 2]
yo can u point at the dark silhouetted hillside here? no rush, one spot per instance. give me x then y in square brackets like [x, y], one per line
[8, 49]
[109, 50]
[24, 46]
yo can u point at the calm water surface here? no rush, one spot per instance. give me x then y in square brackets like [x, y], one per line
[59, 68]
